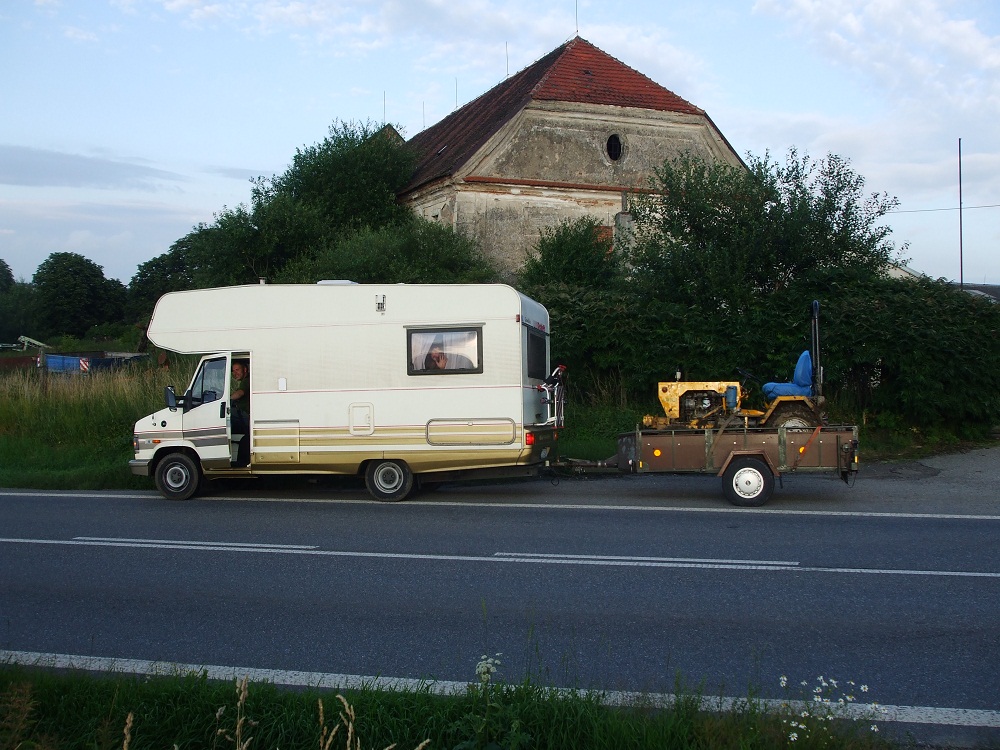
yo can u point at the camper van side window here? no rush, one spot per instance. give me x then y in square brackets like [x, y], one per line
[444, 351]
[537, 364]
[210, 382]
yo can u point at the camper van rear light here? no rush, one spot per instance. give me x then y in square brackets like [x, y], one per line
[529, 438]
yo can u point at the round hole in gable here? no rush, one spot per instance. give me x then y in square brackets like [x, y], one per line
[614, 147]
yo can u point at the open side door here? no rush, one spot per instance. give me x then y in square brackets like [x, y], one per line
[206, 422]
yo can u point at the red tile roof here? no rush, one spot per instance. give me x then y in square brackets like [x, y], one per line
[575, 72]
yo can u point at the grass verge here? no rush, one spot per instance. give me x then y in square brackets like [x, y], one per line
[41, 709]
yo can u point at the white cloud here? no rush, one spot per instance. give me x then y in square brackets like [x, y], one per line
[79, 35]
[911, 48]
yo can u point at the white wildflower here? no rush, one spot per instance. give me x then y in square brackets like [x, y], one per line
[864, 688]
[783, 681]
[793, 736]
[487, 667]
[874, 727]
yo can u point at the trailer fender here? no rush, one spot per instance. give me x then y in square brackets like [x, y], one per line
[753, 454]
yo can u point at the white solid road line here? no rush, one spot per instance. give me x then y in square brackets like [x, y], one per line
[499, 557]
[176, 542]
[543, 555]
[965, 717]
[494, 504]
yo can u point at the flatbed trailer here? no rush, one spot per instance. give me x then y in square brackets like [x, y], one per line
[748, 459]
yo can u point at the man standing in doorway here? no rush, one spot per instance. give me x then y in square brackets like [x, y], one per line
[239, 401]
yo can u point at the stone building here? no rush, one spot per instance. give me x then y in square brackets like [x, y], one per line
[569, 136]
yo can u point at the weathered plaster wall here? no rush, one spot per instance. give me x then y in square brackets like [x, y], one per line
[551, 163]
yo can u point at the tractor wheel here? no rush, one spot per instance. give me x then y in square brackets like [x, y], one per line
[796, 417]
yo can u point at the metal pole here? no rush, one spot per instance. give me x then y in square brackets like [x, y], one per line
[961, 279]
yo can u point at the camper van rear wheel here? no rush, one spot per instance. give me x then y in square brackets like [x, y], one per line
[177, 476]
[747, 482]
[388, 480]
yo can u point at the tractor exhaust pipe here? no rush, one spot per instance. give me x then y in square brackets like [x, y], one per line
[817, 374]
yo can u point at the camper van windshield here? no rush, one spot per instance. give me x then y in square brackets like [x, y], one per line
[445, 351]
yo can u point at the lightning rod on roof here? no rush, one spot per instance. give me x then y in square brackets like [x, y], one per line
[576, 12]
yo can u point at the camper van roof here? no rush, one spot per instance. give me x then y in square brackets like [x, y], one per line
[241, 318]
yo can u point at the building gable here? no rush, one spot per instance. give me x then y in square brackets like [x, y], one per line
[576, 72]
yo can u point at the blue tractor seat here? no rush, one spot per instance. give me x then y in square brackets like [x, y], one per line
[801, 384]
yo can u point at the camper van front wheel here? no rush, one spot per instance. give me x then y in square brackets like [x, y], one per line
[177, 477]
[388, 480]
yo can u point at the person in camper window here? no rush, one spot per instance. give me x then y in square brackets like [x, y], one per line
[438, 359]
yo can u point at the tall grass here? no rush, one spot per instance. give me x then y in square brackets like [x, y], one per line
[46, 710]
[61, 431]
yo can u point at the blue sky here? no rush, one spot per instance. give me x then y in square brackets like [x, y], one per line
[126, 122]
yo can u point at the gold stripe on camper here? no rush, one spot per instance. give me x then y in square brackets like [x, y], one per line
[471, 431]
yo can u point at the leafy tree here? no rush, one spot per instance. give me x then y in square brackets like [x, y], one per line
[18, 313]
[575, 253]
[6, 276]
[576, 273]
[154, 278]
[331, 190]
[73, 295]
[721, 236]
[415, 251]
[352, 176]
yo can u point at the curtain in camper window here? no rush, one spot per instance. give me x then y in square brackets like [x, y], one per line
[445, 351]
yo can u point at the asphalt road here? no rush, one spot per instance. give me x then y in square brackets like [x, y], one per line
[625, 583]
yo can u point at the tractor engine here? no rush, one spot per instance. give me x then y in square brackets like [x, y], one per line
[697, 405]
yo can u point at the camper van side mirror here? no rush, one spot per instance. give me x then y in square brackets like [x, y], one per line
[170, 397]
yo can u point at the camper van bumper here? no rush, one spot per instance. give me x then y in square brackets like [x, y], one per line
[139, 467]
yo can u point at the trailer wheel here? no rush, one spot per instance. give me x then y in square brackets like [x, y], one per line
[388, 480]
[747, 482]
[177, 476]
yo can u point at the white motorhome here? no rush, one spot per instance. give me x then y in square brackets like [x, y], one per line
[398, 383]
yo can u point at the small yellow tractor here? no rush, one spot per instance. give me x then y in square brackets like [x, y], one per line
[715, 404]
